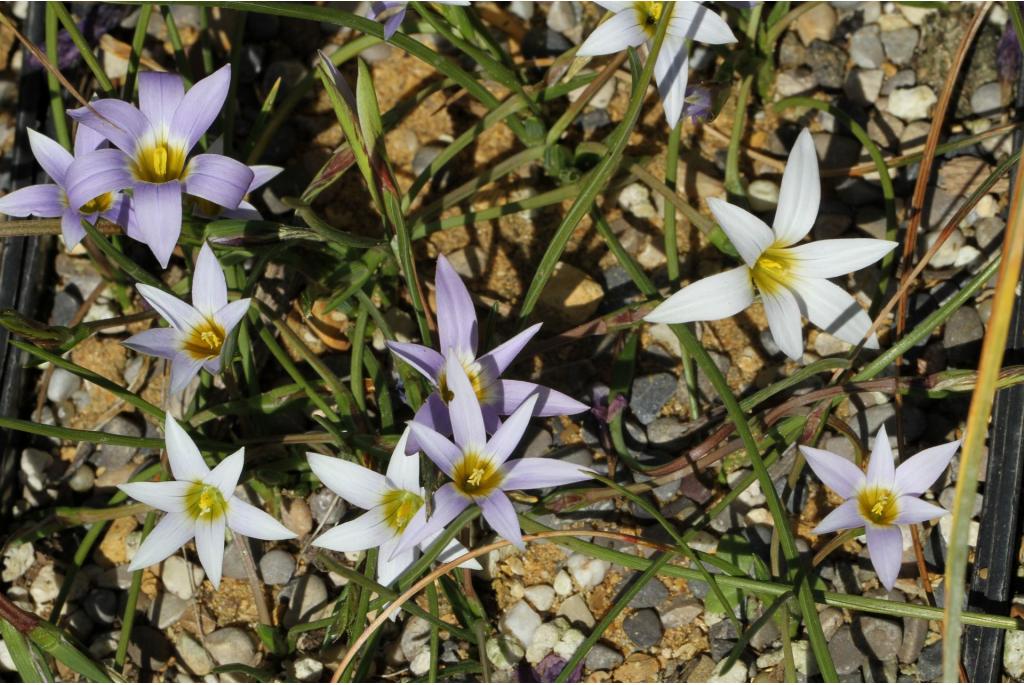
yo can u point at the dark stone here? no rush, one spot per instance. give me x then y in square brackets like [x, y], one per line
[828, 62]
[650, 595]
[643, 628]
[846, 655]
[149, 649]
[650, 394]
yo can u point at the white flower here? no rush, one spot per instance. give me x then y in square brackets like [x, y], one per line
[200, 503]
[393, 503]
[791, 278]
[634, 24]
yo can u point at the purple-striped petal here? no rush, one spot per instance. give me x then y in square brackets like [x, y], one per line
[448, 504]
[844, 517]
[230, 314]
[43, 200]
[427, 361]
[671, 73]
[840, 474]
[219, 179]
[209, 287]
[440, 449]
[505, 440]
[180, 315]
[456, 317]
[917, 474]
[160, 93]
[245, 211]
[156, 342]
[621, 31]
[186, 462]
[50, 155]
[882, 466]
[433, 413]
[71, 227]
[528, 473]
[200, 107]
[550, 402]
[87, 140]
[501, 515]
[885, 545]
[393, 23]
[96, 173]
[212, 366]
[464, 407]
[158, 210]
[492, 422]
[499, 359]
[183, 369]
[915, 510]
[263, 174]
[119, 122]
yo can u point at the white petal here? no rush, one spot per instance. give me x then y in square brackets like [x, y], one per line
[671, 71]
[882, 466]
[709, 299]
[183, 369]
[209, 288]
[783, 312]
[748, 234]
[186, 462]
[224, 475]
[621, 31]
[833, 310]
[404, 469]
[885, 547]
[391, 565]
[917, 474]
[166, 538]
[914, 510]
[247, 520]
[165, 496]
[831, 258]
[837, 472]
[693, 21]
[800, 193]
[843, 517]
[179, 314]
[210, 545]
[464, 407]
[364, 532]
[354, 483]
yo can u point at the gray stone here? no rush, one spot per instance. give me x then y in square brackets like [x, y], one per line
[575, 609]
[723, 637]
[306, 595]
[82, 479]
[81, 625]
[882, 635]
[277, 567]
[866, 49]
[148, 648]
[563, 16]
[326, 507]
[963, 335]
[34, 465]
[863, 85]
[828, 63]
[650, 595]
[415, 635]
[602, 658]
[679, 611]
[794, 82]
[193, 655]
[989, 231]
[233, 567]
[424, 156]
[116, 456]
[915, 631]
[101, 605]
[165, 609]
[666, 432]
[900, 45]
[791, 52]
[987, 100]
[62, 384]
[536, 443]
[846, 656]
[873, 418]
[174, 575]
[643, 628]
[929, 664]
[231, 646]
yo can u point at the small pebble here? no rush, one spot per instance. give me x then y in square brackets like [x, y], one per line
[602, 658]
[174, 575]
[309, 670]
[277, 567]
[540, 596]
[101, 605]
[521, 622]
[62, 384]
[586, 571]
[231, 646]
[643, 628]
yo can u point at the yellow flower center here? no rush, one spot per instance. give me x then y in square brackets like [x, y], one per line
[159, 163]
[205, 502]
[477, 378]
[399, 508]
[878, 505]
[772, 270]
[647, 15]
[100, 203]
[205, 340]
[476, 476]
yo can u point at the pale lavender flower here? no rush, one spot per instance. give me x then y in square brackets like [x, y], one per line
[393, 13]
[393, 502]
[197, 332]
[153, 144]
[457, 330]
[698, 104]
[883, 499]
[261, 175]
[480, 469]
[1008, 54]
[50, 200]
[200, 503]
[634, 24]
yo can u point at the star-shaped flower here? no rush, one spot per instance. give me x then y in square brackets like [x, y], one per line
[634, 24]
[791, 278]
[198, 331]
[884, 499]
[200, 503]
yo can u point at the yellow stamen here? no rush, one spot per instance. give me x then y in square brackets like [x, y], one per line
[205, 340]
[399, 508]
[159, 163]
[878, 505]
[205, 502]
[648, 14]
[477, 378]
[773, 270]
[100, 203]
[476, 476]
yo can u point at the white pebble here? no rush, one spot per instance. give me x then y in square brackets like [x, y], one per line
[521, 622]
[540, 596]
[586, 571]
[562, 584]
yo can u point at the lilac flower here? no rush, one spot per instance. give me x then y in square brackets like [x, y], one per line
[393, 502]
[261, 175]
[884, 499]
[479, 468]
[198, 331]
[153, 144]
[1008, 54]
[200, 503]
[634, 24]
[393, 13]
[457, 330]
[50, 200]
[698, 104]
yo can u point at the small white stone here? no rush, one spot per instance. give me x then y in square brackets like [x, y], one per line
[987, 207]
[911, 104]
[521, 622]
[763, 195]
[6, 662]
[34, 464]
[540, 596]
[544, 640]
[562, 584]
[586, 571]
[421, 663]
[45, 587]
[570, 641]
[174, 575]
[946, 529]
[17, 560]
[1013, 654]
[62, 384]
[503, 652]
[736, 674]
[636, 199]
